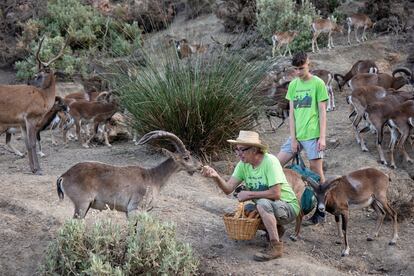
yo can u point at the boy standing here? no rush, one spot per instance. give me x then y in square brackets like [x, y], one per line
[307, 97]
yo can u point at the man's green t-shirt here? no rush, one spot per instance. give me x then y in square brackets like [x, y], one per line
[306, 96]
[266, 175]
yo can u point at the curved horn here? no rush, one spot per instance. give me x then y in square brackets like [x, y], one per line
[338, 81]
[179, 145]
[337, 76]
[314, 184]
[38, 52]
[102, 96]
[404, 70]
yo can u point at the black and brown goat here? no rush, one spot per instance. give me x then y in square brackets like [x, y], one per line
[358, 189]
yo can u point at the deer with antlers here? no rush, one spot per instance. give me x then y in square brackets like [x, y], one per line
[25, 105]
[324, 26]
[282, 38]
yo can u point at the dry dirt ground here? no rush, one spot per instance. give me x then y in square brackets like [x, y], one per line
[31, 214]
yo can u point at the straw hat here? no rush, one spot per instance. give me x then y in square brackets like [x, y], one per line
[249, 138]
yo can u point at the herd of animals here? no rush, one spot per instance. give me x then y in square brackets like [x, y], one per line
[375, 98]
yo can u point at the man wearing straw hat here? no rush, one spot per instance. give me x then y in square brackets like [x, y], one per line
[266, 185]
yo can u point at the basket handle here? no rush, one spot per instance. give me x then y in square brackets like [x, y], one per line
[242, 210]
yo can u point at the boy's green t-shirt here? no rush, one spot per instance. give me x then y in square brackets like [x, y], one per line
[266, 175]
[306, 96]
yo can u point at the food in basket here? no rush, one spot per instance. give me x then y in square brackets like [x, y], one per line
[239, 211]
[253, 214]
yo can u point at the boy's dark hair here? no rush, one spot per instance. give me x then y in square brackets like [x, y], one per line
[299, 59]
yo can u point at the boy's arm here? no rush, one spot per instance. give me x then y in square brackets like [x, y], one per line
[292, 130]
[322, 125]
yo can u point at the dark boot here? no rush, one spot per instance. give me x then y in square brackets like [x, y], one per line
[280, 231]
[273, 251]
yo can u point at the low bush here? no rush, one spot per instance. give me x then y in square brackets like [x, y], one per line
[204, 101]
[91, 35]
[145, 247]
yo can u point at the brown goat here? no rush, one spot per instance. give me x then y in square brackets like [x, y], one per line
[276, 105]
[185, 49]
[363, 96]
[97, 112]
[282, 38]
[324, 26]
[401, 120]
[327, 78]
[298, 186]
[358, 20]
[377, 113]
[361, 66]
[383, 79]
[358, 189]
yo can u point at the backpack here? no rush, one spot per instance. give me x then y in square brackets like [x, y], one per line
[308, 201]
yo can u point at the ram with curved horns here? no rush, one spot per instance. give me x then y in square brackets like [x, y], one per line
[127, 189]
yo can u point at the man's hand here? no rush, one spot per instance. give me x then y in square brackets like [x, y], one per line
[208, 171]
[243, 196]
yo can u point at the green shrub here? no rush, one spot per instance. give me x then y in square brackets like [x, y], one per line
[204, 101]
[327, 7]
[146, 246]
[283, 15]
[50, 48]
[89, 32]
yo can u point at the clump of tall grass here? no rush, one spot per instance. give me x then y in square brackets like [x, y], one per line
[145, 246]
[204, 100]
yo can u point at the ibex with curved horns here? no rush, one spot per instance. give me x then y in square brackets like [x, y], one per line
[126, 189]
[25, 105]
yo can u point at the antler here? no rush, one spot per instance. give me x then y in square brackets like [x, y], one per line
[47, 64]
[38, 51]
[179, 145]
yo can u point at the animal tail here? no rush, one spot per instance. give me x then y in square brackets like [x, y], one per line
[69, 122]
[348, 21]
[379, 205]
[373, 70]
[60, 188]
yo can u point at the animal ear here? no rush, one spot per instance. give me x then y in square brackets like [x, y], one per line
[331, 183]
[58, 100]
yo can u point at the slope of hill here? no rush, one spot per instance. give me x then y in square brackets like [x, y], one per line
[30, 213]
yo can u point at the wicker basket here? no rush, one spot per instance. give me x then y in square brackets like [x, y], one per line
[241, 228]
